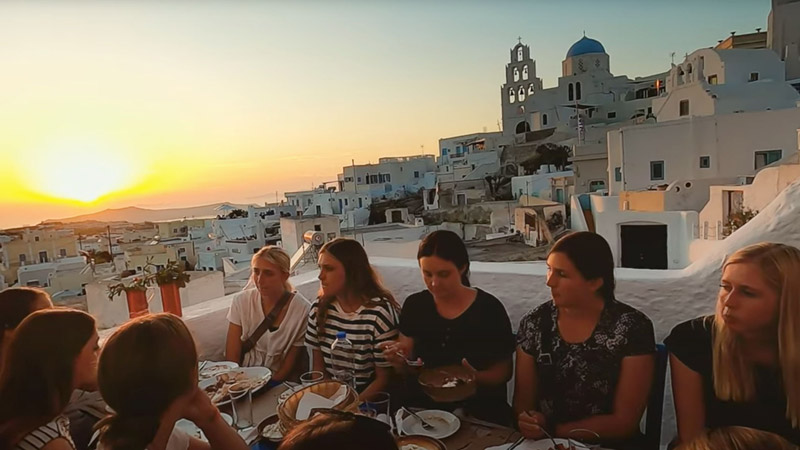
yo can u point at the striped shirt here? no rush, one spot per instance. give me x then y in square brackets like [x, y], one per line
[366, 328]
[57, 428]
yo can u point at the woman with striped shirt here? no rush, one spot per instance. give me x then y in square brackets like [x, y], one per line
[352, 300]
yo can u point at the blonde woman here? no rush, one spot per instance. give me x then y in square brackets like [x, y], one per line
[737, 438]
[741, 367]
[267, 324]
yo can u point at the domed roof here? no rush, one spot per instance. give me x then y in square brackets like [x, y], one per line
[584, 46]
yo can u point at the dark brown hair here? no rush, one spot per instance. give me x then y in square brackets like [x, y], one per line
[37, 374]
[446, 245]
[737, 438]
[336, 430]
[144, 367]
[361, 280]
[590, 254]
[16, 304]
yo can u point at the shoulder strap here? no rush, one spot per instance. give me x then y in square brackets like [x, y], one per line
[250, 342]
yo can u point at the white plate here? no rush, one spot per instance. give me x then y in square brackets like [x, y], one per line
[214, 368]
[445, 424]
[188, 427]
[542, 444]
[261, 374]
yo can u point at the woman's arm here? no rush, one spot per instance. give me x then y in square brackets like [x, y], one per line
[318, 361]
[496, 374]
[690, 408]
[233, 343]
[630, 400]
[526, 381]
[382, 377]
[396, 352]
[289, 363]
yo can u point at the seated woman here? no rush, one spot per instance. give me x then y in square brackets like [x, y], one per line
[51, 353]
[338, 430]
[15, 305]
[737, 438]
[148, 376]
[352, 300]
[740, 366]
[267, 323]
[584, 359]
[453, 323]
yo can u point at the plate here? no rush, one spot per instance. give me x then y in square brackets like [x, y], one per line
[546, 444]
[188, 427]
[276, 435]
[214, 368]
[259, 376]
[445, 424]
[421, 443]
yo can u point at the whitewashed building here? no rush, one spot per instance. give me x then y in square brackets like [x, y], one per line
[293, 228]
[391, 177]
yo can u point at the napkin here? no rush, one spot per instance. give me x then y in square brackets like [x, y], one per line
[311, 401]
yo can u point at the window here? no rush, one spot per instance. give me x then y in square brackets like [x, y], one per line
[712, 79]
[43, 257]
[360, 202]
[519, 53]
[516, 74]
[611, 115]
[767, 157]
[531, 89]
[317, 227]
[570, 92]
[359, 180]
[36, 238]
[319, 209]
[62, 252]
[512, 97]
[525, 72]
[617, 174]
[544, 119]
[22, 258]
[684, 108]
[345, 202]
[596, 185]
[578, 90]
[416, 174]
[753, 76]
[521, 94]
[656, 170]
[705, 162]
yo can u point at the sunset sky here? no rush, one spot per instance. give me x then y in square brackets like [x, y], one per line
[182, 103]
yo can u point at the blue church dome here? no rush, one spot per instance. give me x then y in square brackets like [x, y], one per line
[584, 46]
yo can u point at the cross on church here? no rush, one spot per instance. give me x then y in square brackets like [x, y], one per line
[519, 39]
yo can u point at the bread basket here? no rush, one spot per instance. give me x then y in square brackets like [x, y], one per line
[287, 410]
[448, 384]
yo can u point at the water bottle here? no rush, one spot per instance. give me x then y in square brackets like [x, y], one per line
[343, 364]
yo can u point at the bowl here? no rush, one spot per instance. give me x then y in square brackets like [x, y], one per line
[448, 384]
[425, 442]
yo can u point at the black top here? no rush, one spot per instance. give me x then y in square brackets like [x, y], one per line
[481, 334]
[580, 380]
[691, 343]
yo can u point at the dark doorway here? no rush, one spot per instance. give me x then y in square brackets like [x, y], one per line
[397, 216]
[644, 246]
[523, 127]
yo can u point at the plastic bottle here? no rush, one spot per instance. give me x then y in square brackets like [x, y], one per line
[343, 365]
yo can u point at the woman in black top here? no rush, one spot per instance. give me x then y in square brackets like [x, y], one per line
[741, 367]
[453, 323]
[584, 359]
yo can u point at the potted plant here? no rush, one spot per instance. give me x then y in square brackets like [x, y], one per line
[170, 279]
[136, 294]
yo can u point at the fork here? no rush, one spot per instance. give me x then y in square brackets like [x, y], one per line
[425, 425]
[516, 443]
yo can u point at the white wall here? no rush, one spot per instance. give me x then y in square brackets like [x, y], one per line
[680, 228]
[730, 141]
[539, 185]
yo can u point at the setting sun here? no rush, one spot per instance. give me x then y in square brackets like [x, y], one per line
[82, 170]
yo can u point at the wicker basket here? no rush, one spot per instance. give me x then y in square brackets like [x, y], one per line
[287, 410]
[432, 381]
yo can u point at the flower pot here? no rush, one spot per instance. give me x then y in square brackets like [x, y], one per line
[137, 303]
[171, 299]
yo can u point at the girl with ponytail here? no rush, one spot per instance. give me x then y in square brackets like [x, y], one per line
[148, 376]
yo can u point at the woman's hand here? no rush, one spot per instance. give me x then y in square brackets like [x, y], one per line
[395, 353]
[199, 409]
[532, 424]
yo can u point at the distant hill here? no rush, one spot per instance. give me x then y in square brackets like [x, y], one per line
[134, 214]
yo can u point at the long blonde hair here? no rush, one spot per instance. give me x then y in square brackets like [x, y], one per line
[737, 438]
[732, 373]
[278, 257]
